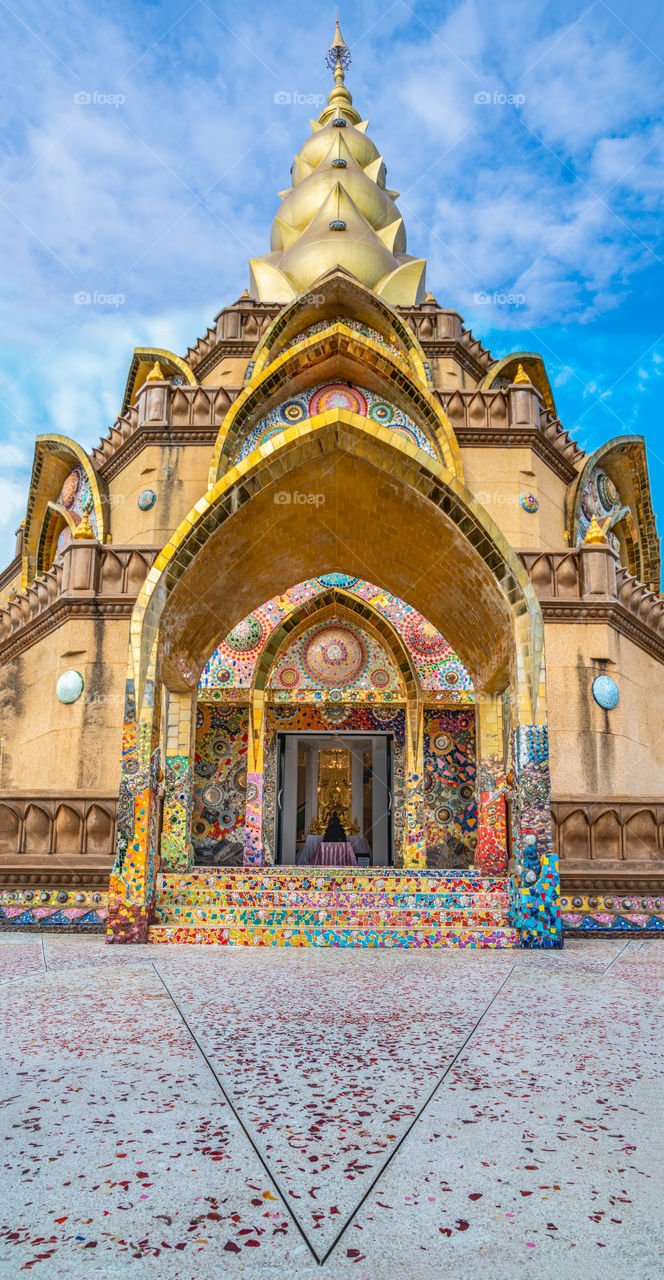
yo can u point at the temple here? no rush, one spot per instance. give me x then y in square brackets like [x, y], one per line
[337, 637]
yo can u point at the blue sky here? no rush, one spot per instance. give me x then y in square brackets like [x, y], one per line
[143, 148]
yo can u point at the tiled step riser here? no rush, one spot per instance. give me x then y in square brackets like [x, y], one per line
[240, 918]
[411, 940]
[321, 900]
[330, 881]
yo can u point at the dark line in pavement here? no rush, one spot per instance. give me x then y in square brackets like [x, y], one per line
[616, 957]
[43, 952]
[411, 1126]
[239, 1119]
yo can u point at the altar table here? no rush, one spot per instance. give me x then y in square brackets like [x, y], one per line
[334, 853]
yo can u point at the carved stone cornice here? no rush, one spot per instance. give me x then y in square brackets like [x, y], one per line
[612, 614]
[514, 437]
[101, 607]
[11, 571]
[170, 436]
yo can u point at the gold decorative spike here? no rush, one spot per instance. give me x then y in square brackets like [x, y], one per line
[84, 530]
[156, 373]
[595, 536]
[521, 377]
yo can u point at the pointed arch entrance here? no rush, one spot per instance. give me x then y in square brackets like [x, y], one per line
[388, 513]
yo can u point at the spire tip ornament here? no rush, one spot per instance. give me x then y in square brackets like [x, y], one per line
[156, 373]
[595, 536]
[521, 378]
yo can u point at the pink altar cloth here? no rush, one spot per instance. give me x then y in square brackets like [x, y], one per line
[335, 854]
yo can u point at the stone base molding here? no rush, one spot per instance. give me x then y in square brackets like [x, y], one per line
[59, 840]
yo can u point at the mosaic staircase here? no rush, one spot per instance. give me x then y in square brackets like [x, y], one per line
[302, 907]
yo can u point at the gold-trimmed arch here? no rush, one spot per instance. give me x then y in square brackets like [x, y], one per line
[50, 534]
[533, 365]
[625, 461]
[55, 456]
[335, 294]
[304, 362]
[490, 580]
[143, 360]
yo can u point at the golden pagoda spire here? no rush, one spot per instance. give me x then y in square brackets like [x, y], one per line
[521, 377]
[338, 211]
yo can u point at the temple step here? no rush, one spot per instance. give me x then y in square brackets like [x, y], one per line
[340, 937]
[290, 916]
[305, 906]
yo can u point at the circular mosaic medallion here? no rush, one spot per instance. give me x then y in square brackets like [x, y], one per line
[380, 678]
[607, 492]
[442, 743]
[466, 792]
[220, 746]
[63, 540]
[337, 580]
[69, 686]
[384, 714]
[227, 817]
[289, 677]
[225, 676]
[205, 768]
[334, 656]
[212, 796]
[381, 412]
[338, 396]
[291, 411]
[200, 828]
[240, 779]
[402, 429]
[334, 712]
[246, 636]
[285, 713]
[606, 692]
[423, 638]
[529, 502]
[147, 499]
[451, 678]
[70, 489]
[444, 814]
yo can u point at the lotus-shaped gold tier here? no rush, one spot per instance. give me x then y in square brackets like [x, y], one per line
[338, 212]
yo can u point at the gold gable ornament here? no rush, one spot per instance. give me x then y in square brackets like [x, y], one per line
[595, 536]
[521, 378]
[156, 373]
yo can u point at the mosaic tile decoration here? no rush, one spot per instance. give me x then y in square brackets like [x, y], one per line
[79, 909]
[535, 887]
[334, 395]
[601, 499]
[220, 777]
[335, 655]
[75, 495]
[333, 907]
[450, 804]
[437, 666]
[612, 913]
[350, 323]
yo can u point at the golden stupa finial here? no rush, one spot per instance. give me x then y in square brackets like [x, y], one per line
[156, 373]
[595, 536]
[521, 377]
[338, 60]
[84, 529]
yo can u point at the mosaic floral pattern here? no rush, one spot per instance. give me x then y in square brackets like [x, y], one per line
[357, 326]
[450, 806]
[601, 499]
[335, 656]
[436, 664]
[220, 778]
[336, 395]
[76, 496]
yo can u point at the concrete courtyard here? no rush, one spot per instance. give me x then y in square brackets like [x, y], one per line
[202, 1112]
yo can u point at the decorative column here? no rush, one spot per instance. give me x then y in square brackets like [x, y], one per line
[132, 883]
[254, 855]
[357, 787]
[535, 890]
[177, 851]
[414, 839]
[491, 851]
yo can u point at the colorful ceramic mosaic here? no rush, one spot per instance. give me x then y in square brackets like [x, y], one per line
[220, 778]
[601, 499]
[613, 913]
[335, 655]
[350, 323]
[53, 909]
[76, 497]
[529, 502]
[175, 847]
[437, 666]
[450, 806]
[535, 888]
[491, 853]
[335, 395]
[332, 907]
[147, 499]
